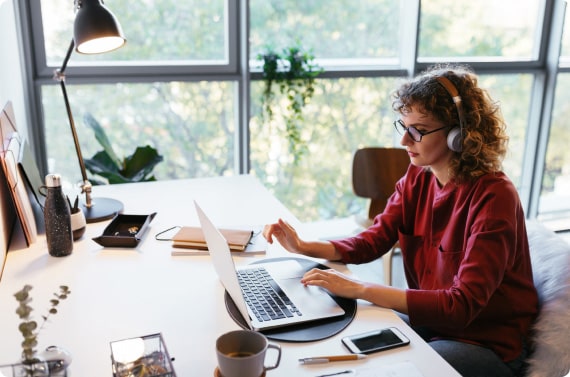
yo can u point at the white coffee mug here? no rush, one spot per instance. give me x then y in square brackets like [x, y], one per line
[241, 353]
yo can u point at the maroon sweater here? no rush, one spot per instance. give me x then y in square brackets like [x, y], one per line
[466, 258]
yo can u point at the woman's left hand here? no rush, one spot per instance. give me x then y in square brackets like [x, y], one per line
[335, 282]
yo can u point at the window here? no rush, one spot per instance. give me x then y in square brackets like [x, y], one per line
[555, 193]
[191, 124]
[344, 115]
[200, 34]
[513, 92]
[178, 86]
[554, 201]
[347, 31]
[565, 42]
[482, 30]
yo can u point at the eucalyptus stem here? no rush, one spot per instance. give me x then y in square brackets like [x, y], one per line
[29, 327]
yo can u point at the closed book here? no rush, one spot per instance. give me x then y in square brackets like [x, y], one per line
[191, 237]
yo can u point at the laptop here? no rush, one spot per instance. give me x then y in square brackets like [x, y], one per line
[299, 303]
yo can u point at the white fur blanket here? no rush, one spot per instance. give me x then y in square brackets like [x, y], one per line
[550, 256]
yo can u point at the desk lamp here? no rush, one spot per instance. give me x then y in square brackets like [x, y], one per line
[96, 30]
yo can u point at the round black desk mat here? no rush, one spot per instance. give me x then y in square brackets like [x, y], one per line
[305, 332]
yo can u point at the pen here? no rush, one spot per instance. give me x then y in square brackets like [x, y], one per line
[336, 373]
[328, 359]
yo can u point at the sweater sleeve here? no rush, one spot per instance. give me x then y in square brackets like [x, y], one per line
[379, 238]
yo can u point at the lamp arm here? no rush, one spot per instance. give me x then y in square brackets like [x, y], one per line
[67, 57]
[59, 75]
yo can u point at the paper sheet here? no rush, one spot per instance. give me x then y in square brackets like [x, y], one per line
[403, 369]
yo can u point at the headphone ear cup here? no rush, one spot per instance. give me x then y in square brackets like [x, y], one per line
[454, 139]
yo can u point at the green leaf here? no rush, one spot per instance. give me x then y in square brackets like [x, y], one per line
[27, 327]
[134, 168]
[140, 164]
[23, 294]
[101, 137]
[30, 343]
[23, 311]
[101, 162]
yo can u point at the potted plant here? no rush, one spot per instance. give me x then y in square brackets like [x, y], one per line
[294, 72]
[78, 222]
[134, 168]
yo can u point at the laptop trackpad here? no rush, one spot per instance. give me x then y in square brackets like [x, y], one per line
[310, 299]
[288, 269]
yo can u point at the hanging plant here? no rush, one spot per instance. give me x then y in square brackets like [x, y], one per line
[294, 72]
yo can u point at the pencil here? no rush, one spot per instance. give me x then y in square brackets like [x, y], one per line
[328, 359]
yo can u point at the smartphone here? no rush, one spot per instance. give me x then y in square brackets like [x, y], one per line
[374, 341]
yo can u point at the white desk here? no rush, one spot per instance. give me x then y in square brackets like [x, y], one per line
[124, 293]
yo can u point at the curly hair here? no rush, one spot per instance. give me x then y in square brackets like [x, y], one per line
[485, 141]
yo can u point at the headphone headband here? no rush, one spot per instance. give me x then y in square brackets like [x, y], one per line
[455, 139]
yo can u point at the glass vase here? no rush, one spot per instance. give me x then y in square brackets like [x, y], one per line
[36, 368]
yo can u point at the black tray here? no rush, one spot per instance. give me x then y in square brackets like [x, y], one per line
[125, 230]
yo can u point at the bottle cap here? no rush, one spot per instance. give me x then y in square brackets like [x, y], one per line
[53, 180]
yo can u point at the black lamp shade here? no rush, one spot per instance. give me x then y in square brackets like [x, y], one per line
[96, 30]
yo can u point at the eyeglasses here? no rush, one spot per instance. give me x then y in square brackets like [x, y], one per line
[414, 133]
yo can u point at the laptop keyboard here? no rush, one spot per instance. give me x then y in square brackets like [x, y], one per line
[264, 296]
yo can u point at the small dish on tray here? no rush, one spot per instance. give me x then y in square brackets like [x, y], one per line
[125, 230]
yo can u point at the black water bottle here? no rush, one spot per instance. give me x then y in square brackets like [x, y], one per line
[57, 217]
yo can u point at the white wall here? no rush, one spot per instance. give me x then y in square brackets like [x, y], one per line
[12, 88]
[11, 63]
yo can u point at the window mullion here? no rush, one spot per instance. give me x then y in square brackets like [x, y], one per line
[536, 170]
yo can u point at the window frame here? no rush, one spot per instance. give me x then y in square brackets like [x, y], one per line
[139, 70]
[544, 70]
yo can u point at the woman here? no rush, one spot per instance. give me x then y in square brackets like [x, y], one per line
[460, 225]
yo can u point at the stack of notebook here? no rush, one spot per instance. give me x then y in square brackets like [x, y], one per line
[189, 240]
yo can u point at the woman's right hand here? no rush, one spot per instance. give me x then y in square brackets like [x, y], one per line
[285, 234]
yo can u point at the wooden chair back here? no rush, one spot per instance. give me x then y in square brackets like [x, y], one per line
[375, 172]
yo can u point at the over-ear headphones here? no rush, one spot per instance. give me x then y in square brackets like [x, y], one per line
[455, 136]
